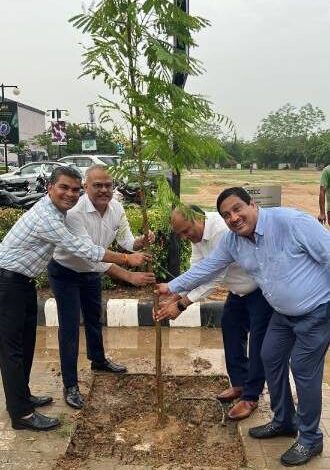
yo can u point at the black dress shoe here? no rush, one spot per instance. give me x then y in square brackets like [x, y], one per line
[299, 454]
[40, 401]
[270, 430]
[37, 422]
[108, 366]
[73, 397]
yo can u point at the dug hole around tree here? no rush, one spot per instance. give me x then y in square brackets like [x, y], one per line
[119, 426]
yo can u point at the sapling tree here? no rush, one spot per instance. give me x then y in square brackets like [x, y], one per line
[131, 48]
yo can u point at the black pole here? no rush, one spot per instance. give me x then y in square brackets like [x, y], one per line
[179, 79]
[6, 156]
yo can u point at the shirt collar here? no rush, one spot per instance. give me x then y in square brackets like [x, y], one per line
[89, 205]
[91, 208]
[51, 205]
[261, 221]
[207, 233]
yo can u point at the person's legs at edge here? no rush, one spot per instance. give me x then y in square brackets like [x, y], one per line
[65, 285]
[235, 327]
[307, 364]
[91, 306]
[13, 318]
[260, 313]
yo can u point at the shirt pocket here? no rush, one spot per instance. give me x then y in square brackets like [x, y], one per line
[278, 266]
[109, 235]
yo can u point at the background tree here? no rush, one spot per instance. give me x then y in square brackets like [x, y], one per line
[106, 140]
[132, 50]
[285, 133]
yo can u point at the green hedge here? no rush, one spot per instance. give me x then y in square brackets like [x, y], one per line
[159, 223]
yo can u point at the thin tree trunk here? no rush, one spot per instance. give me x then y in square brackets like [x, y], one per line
[136, 151]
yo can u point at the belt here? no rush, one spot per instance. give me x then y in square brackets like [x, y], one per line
[6, 274]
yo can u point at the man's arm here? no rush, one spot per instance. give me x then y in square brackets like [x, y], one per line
[201, 272]
[139, 242]
[53, 230]
[314, 238]
[322, 217]
[171, 309]
[135, 278]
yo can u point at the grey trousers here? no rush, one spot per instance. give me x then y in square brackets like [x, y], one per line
[302, 343]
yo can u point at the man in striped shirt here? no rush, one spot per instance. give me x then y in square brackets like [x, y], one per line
[25, 253]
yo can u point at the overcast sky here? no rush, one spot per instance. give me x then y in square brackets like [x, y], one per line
[258, 55]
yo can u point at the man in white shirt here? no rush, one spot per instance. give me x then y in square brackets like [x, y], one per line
[76, 283]
[245, 310]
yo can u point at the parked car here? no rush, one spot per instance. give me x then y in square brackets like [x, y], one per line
[151, 168]
[30, 172]
[85, 161]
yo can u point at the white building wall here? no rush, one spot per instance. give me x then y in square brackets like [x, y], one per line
[31, 123]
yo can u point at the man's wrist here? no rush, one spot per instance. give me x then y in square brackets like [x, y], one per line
[181, 305]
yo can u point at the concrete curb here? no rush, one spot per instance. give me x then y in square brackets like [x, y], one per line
[134, 312]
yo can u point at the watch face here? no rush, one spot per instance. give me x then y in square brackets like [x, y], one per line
[181, 307]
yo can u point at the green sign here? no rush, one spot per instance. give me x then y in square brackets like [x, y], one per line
[9, 122]
[88, 145]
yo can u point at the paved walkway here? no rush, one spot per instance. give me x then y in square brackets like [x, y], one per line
[25, 450]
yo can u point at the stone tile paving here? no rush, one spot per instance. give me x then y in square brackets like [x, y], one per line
[25, 450]
[265, 454]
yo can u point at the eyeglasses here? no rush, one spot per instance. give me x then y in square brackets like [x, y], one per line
[102, 185]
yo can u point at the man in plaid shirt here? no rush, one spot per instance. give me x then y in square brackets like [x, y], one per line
[25, 253]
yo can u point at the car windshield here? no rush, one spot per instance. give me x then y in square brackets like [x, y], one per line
[108, 160]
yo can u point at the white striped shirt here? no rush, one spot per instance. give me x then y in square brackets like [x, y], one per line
[85, 220]
[29, 245]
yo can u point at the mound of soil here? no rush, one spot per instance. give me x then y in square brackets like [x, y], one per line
[120, 421]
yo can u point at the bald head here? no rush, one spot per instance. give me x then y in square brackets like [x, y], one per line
[98, 186]
[186, 226]
[98, 169]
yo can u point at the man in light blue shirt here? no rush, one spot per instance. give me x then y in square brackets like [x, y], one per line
[287, 252]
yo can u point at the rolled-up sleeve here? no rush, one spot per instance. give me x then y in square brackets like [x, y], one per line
[55, 231]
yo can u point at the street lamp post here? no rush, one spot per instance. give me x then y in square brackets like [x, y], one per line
[57, 116]
[6, 129]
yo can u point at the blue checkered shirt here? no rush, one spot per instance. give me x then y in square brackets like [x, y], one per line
[29, 245]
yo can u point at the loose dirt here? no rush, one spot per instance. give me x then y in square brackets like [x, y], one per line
[120, 421]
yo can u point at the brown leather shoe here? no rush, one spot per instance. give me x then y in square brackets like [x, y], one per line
[230, 394]
[242, 409]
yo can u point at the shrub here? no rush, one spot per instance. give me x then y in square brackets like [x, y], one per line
[159, 223]
[8, 217]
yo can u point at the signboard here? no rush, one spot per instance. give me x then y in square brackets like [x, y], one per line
[265, 196]
[88, 145]
[9, 131]
[59, 133]
[120, 148]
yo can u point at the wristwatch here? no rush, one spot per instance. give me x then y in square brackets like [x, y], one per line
[181, 306]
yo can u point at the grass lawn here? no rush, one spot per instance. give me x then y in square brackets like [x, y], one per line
[299, 188]
[192, 179]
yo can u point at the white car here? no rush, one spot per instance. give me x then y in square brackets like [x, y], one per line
[30, 172]
[85, 161]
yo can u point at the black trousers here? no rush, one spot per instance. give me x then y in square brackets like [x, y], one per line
[241, 316]
[75, 292]
[18, 325]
